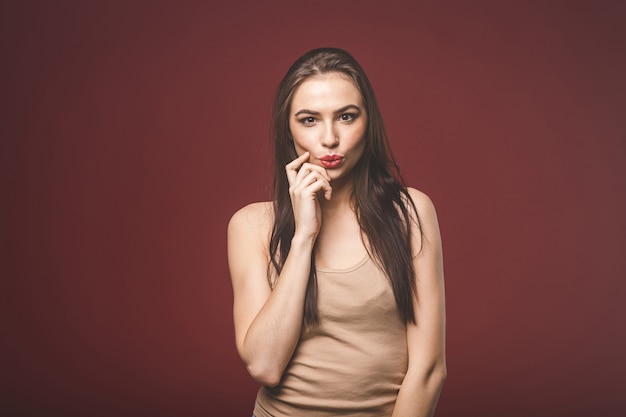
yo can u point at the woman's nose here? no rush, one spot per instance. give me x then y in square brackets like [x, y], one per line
[330, 138]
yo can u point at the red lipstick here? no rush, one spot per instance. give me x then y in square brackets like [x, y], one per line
[331, 161]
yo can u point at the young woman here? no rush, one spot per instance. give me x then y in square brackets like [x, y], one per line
[338, 282]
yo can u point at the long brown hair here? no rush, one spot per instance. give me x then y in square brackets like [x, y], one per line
[381, 201]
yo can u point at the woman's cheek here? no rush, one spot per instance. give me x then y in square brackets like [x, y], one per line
[298, 148]
[299, 144]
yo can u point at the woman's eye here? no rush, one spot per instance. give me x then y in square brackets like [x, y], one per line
[346, 117]
[307, 121]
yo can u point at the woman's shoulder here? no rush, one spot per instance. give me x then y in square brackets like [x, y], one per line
[423, 204]
[421, 200]
[254, 216]
[249, 230]
[426, 217]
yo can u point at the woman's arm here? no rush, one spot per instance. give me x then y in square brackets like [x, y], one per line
[426, 340]
[268, 321]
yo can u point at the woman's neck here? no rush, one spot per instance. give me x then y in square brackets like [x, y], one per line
[341, 196]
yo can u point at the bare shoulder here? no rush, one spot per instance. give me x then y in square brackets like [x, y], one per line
[254, 215]
[251, 225]
[424, 205]
[248, 242]
[427, 221]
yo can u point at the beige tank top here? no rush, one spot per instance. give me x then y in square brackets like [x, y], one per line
[353, 363]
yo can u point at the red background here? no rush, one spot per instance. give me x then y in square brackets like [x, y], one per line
[131, 131]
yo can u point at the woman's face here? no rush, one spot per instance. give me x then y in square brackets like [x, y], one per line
[327, 118]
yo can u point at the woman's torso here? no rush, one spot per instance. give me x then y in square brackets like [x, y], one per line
[354, 361]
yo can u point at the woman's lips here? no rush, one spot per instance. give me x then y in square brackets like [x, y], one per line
[331, 161]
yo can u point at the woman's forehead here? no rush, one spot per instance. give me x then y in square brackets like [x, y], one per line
[333, 90]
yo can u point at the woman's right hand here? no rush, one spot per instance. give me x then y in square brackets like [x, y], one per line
[306, 182]
[268, 319]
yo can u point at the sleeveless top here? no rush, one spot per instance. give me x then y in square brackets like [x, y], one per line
[354, 361]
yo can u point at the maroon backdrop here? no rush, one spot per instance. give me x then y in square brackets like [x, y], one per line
[131, 131]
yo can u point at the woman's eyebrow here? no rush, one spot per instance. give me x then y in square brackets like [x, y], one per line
[316, 113]
[348, 107]
[306, 111]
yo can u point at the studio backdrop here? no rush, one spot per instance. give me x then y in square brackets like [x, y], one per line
[132, 130]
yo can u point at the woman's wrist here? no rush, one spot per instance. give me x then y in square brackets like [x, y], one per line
[303, 242]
